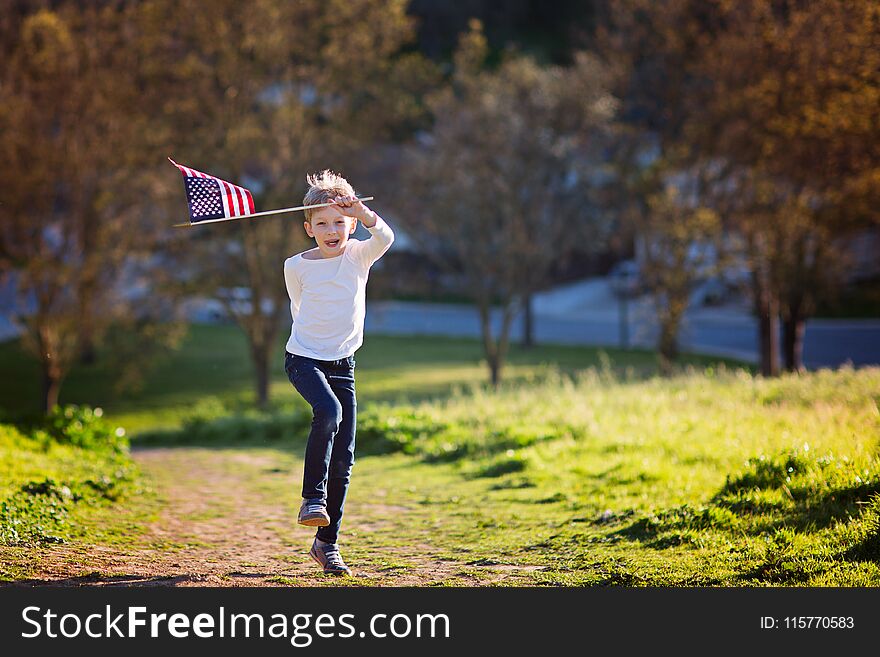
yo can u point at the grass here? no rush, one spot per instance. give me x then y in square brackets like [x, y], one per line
[212, 369]
[69, 481]
[705, 479]
[712, 481]
[585, 468]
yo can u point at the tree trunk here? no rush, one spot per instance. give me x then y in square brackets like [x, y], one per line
[793, 343]
[50, 366]
[490, 348]
[767, 313]
[495, 371]
[503, 341]
[667, 343]
[260, 357]
[51, 390]
[528, 339]
[88, 353]
[768, 336]
[496, 351]
[51, 384]
[668, 346]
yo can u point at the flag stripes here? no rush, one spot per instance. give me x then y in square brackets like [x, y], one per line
[236, 201]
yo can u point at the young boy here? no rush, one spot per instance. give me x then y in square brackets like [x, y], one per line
[327, 288]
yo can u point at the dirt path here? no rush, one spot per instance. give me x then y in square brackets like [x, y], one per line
[228, 520]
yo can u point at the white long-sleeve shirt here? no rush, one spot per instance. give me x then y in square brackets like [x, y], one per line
[328, 297]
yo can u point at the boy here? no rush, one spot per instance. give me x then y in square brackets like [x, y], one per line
[327, 288]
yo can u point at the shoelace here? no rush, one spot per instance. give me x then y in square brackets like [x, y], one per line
[331, 553]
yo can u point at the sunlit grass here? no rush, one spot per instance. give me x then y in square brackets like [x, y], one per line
[213, 362]
[584, 468]
[715, 478]
[53, 492]
[700, 480]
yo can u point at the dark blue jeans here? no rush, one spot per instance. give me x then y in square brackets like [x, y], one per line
[328, 387]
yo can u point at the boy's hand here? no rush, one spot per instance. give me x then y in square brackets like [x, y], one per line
[352, 207]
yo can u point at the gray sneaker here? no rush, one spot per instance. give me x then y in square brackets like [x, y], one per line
[328, 557]
[313, 513]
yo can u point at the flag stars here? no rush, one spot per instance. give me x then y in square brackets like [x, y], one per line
[204, 199]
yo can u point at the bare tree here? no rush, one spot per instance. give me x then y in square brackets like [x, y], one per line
[503, 190]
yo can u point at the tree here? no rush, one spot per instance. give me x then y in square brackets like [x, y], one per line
[784, 94]
[236, 76]
[798, 107]
[682, 243]
[503, 190]
[670, 194]
[73, 232]
[278, 90]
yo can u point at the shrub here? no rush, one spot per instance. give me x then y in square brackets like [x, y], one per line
[84, 427]
[72, 457]
[381, 430]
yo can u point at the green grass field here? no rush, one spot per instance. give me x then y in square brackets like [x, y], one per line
[700, 480]
[585, 468]
[212, 367]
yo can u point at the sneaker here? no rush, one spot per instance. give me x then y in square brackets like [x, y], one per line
[328, 557]
[313, 513]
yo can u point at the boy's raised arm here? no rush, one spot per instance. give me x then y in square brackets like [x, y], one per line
[381, 234]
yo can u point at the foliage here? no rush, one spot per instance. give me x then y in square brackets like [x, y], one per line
[681, 241]
[779, 97]
[82, 426]
[76, 142]
[424, 432]
[805, 84]
[252, 428]
[54, 476]
[291, 87]
[248, 91]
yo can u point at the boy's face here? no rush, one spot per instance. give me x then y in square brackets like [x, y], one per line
[331, 229]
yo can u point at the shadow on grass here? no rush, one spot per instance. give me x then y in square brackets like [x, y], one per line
[287, 431]
[781, 571]
[242, 431]
[671, 527]
[867, 545]
[866, 550]
[798, 491]
[785, 500]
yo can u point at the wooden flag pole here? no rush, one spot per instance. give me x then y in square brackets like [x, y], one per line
[263, 214]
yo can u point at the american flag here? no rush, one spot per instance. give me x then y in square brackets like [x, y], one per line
[212, 198]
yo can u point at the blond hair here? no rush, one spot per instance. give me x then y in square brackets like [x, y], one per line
[323, 188]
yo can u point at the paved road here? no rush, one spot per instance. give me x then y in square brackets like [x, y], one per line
[586, 314]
